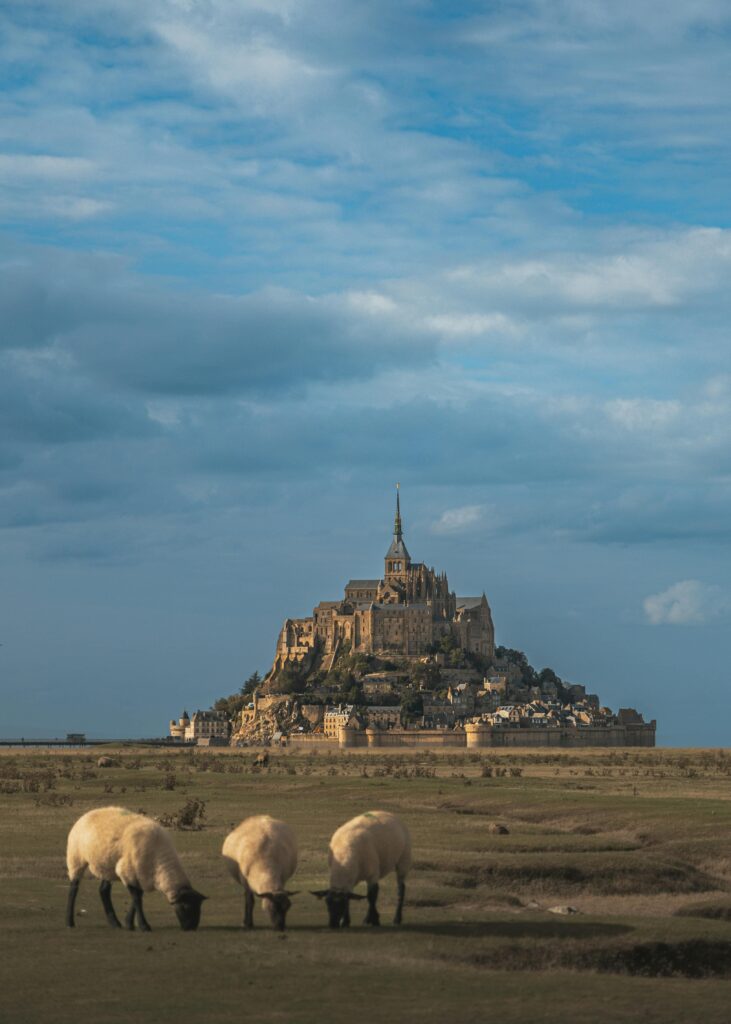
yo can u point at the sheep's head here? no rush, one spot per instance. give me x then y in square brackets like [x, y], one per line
[187, 905]
[337, 902]
[276, 905]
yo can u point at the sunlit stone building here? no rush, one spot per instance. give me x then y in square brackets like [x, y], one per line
[402, 615]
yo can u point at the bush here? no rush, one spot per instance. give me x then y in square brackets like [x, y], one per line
[189, 816]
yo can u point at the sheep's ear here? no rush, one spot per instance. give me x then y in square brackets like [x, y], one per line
[289, 892]
[320, 893]
[355, 896]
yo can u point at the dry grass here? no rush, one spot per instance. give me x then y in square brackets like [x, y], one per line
[634, 845]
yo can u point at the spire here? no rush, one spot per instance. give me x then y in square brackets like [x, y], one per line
[397, 521]
[397, 557]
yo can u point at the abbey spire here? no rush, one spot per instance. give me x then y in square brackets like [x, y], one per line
[398, 558]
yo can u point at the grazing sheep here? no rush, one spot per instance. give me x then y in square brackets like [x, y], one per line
[261, 760]
[114, 843]
[365, 849]
[261, 854]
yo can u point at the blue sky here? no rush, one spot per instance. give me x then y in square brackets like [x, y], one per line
[261, 260]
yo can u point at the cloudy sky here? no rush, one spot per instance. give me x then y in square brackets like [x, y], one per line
[260, 260]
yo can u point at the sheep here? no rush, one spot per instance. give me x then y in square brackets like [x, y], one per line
[114, 843]
[261, 854]
[365, 849]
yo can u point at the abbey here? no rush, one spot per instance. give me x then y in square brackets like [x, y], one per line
[401, 615]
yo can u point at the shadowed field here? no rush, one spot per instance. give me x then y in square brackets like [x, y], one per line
[637, 842]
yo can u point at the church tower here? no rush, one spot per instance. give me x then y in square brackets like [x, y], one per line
[398, 558]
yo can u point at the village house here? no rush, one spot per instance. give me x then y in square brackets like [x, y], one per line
[203, 725]
[380, 684]
[382, 716]
[462, 699]
[337, 717]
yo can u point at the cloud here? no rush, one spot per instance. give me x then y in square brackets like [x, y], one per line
[28, 165]
[245, 142]
[457, 520]
[687, 603]
[195, 396]
[108, 323]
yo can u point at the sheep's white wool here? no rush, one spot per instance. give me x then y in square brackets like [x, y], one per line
[367, 848]
[114, 843]
[261, 853]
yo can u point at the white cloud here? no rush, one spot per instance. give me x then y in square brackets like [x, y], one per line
[468, 325]
[643, 414]
[252, 69]
[43, 166]
[76, 207]
[455, 520]
[686, 603]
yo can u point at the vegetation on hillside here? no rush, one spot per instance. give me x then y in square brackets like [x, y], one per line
[235, 702]
[343, 683]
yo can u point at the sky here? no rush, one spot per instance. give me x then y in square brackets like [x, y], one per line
[261, 260]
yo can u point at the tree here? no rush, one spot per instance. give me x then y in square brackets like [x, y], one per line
[289, 680]
[426, 675]
[517, 658]
[251, 684]
[412, 705]
[235, 702]
[547, 675]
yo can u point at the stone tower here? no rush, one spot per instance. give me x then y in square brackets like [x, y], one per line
[398, 559]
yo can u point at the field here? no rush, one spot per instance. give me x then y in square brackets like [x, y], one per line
[636, 841]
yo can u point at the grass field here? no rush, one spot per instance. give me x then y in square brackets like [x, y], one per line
[636, 841]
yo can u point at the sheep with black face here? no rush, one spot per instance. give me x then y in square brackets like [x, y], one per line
[366, 849]
[117, 844]
[261, 854]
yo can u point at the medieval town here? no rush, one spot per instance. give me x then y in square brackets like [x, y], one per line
[403, 661]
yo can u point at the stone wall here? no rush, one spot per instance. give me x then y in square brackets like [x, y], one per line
[311, 739]
[478, 736]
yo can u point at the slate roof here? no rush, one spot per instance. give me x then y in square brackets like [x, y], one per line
[398, 550]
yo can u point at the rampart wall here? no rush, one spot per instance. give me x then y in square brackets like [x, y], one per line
[475, 736]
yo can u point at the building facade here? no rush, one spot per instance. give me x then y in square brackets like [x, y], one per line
[403, 614]
[203, 725]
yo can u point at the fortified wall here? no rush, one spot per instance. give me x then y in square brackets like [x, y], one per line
[476, 736]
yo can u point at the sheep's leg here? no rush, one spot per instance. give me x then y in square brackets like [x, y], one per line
[129, 921]
[105, 891]
[400, 904]
[346, 916]
[372, 915]
[248, 909]
[136, 895]
[73, 890]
